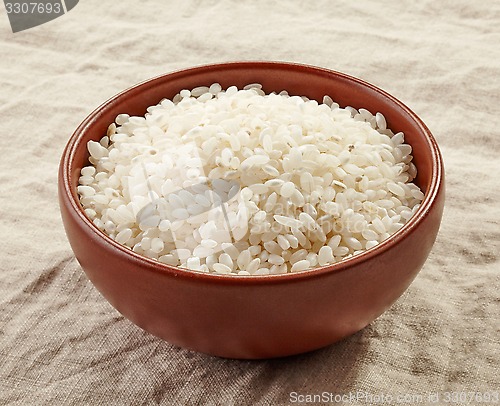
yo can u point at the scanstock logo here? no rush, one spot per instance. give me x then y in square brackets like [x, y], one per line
[29, 14]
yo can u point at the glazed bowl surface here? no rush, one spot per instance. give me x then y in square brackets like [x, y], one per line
[255, 316]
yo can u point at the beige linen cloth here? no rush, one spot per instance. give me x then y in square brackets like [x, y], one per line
[62, 343]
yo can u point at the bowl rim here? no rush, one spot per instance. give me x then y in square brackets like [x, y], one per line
[69, 195]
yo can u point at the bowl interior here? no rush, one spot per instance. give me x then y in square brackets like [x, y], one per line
[296, 79]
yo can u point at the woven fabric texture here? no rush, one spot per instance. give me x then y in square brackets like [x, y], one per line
[60, 340]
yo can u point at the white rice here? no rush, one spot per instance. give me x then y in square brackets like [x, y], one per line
[239, 182]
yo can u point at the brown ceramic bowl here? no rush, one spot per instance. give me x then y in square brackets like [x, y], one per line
[255, 316]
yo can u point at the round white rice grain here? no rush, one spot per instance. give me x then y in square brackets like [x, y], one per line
[168, 259]
[309, 209]
[258, 188]
[122, 119]
[270, 170]
[101, 199]
[262, 271]
[267, 143]
[380, 119]
[215, 88]
[283, 242]
[287, 189]
[369, 234]
[272, 183]
[378, 225]
[288, 221]
[86, 180]
[271, 202]
[276, 259]
[300, 266]
[231, 250]
[307, 182]
[307, 221]
[202, 252]
[351, 110]
[145, 243]
[253, 265]
[193, 263]
[268, 236]
[210, 260]
[209, 243]
[226, 260]
[325, 255]
[86, 191]
[340, 251]
[395, 227]
[334, 241]
[299, 235]
[88, 171]
[297, 198]
[180, 214]
[198, 91]
[255, 250]
[298, 256]
[244, 259]
[387, 221]
[221, 268]
[91, 213]
[406, 214]
[417, 194]
[272, 247]
[353, 169]
[123, 236]
[312, 258]
[396, 189]
[96, 150]
[254, 160]
[182, 253]
[353, 242]
[405, 149]
[185, 93]
[157, 245]
[294, 242]
[370, 244]
[246, 194]
[149, 222]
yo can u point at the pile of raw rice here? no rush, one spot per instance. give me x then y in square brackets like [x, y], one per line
[240, 182]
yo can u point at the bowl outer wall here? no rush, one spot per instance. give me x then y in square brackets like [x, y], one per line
[255, 317]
